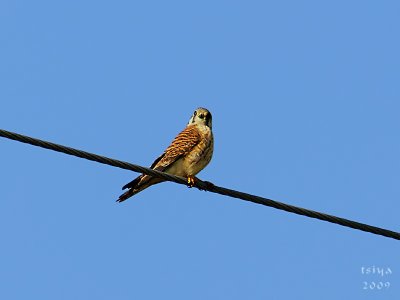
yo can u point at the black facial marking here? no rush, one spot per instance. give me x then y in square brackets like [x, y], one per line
[194, 115]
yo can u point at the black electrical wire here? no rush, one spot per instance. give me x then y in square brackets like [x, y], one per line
[202, 185]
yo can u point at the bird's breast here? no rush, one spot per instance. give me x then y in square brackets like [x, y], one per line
[197, 158]
[201, 154]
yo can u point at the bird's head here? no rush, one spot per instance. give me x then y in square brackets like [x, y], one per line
[201, 116]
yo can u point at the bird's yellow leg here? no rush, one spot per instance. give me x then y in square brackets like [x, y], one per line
[190, 181]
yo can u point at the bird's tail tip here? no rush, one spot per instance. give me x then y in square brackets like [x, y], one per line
[126, 195]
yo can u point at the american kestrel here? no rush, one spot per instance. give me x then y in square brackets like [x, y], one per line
[189, 153]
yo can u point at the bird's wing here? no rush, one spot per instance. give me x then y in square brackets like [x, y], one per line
[180, 146]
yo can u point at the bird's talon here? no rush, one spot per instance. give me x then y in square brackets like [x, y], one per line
[190, 181]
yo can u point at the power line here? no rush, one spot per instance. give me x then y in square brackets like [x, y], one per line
[202, 185]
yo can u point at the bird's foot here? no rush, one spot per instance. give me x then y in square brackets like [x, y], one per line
[190, 181]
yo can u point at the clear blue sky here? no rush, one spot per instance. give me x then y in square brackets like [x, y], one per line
[305, 99]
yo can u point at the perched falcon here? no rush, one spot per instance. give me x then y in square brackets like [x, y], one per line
[189, 153]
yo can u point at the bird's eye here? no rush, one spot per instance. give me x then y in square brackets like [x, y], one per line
[201, 116]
